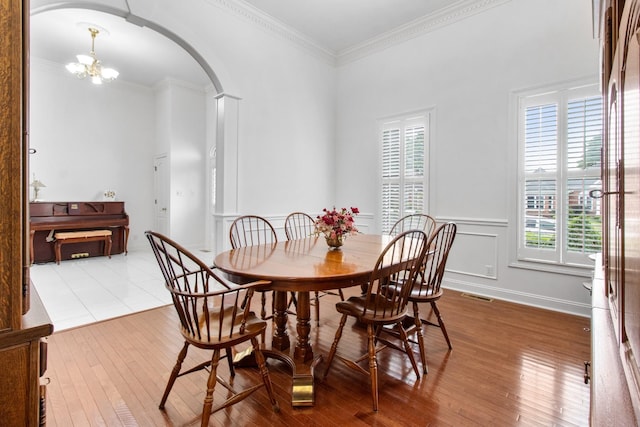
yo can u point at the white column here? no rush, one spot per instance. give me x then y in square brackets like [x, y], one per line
[226, 208]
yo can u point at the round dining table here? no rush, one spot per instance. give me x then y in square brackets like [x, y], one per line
[302, 266]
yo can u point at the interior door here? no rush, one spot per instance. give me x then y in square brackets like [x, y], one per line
[631, 194]
[162, 191]
[612, 205]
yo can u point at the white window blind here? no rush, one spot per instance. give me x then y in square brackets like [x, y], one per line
[403, 168]
[560, 137]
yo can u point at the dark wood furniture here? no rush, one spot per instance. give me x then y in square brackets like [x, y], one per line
[215, 315]
[302, 266]
[422, 222]
[427, 290]
[250, 230]
[74, 237]
[383, 304]
[300, 225]
[611, 402]
[23, 320]
[48, 217]
[615, 372]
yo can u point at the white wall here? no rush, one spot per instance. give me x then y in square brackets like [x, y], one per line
[285, 133]
[93, 138]
[287, 106]
[466, 73]
[307, 130]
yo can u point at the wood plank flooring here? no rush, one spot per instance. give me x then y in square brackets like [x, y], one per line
[510, 365]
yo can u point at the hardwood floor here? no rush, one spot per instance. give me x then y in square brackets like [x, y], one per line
[510, 365]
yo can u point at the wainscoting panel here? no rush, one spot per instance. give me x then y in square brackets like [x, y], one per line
[474, 254]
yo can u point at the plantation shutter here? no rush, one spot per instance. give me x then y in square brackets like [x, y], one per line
[390, 177]
[413, 170]
[560, 146]
[403, 169]
[540, 154]
[584, 141]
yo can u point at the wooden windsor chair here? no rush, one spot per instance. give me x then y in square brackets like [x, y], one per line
[252, 230]
[427, 287]
[382, 305]
[422, 222]
[211, 318]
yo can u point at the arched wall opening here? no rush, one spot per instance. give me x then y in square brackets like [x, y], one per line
[187, 195]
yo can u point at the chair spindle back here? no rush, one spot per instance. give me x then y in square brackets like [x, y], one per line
[251, 230]
[422, 222]
[198, 293]
[430, 277]
[398, 263]
[299, 225]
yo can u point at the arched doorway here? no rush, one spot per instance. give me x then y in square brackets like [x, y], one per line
[86, 114]
[141, 50]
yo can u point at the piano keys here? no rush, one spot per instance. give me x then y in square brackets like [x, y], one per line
[45, 218]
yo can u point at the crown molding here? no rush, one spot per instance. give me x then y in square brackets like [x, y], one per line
[255, 16]
[454, 13]
[457, 11]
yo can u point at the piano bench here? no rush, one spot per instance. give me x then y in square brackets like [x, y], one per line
[80, 237]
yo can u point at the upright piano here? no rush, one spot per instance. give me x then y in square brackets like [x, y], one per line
[45, 218]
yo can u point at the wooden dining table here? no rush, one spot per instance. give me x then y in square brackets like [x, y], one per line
[302, 266]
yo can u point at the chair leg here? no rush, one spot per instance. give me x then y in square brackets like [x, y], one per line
[317, 309]
[341, 294]
[441, 323]
[293, 300]
[418, 327]
[232, 371]
[408, 349]
[211, 383]
[373, 365]
[264, 372]
[174, 374]
[334, 346]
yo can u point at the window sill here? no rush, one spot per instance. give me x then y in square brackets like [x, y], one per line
[551, 267]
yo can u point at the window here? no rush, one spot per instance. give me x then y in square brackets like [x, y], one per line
[403, 167]
[560, 139]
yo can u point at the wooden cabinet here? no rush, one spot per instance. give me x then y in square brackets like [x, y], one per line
[23, 320]
[615, 370]
[611, 403]
[22, 364]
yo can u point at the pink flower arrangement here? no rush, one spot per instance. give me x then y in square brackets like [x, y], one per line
[337, 224]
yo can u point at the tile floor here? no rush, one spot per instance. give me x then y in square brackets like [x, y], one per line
[82, 291]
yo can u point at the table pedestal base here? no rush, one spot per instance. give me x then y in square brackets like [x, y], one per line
[303, 363]
[303, 375]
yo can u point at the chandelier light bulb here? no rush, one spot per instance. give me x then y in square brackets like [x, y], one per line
[85, 59]
[89, 65]
[109, 74]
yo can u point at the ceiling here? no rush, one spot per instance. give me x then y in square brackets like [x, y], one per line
[338, 25]
[146, 57]
[140, 54]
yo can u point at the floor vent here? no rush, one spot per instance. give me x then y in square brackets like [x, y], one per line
[478, 297]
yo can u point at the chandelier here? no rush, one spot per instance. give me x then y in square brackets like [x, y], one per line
[89, 65]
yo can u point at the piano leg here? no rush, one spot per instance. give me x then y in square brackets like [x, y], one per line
[126, 238]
